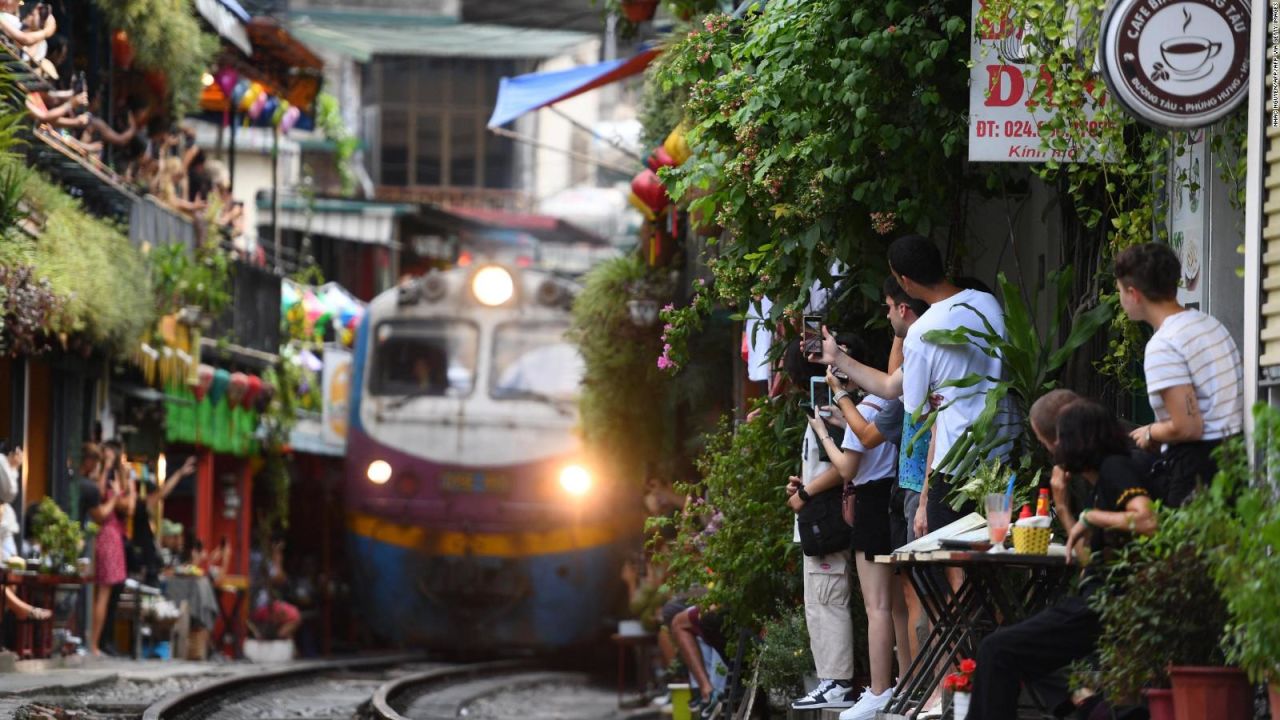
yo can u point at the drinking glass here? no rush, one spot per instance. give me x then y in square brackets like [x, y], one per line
[997, 520]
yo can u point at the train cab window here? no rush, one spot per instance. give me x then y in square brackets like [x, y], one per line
[424, 358]
[535, 361]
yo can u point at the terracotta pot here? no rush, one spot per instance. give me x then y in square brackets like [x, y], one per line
[1159, 703]
[639, 10]
[1273, 692]
[1222, 693]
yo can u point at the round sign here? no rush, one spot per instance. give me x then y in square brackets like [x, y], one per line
[1177, 63]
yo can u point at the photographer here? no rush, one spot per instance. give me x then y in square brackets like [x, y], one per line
[11, 26]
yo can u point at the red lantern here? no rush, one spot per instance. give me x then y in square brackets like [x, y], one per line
[204, 380]
[122, 49]
[236, 389]
[660, 159]
[647, 188]
[157, 83]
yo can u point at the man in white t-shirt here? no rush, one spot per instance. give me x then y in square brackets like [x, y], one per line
[1195, 379]
[918, 267]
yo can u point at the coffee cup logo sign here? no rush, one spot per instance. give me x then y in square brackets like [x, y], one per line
[1177, 63]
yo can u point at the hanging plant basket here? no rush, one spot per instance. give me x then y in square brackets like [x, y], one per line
[638, 11]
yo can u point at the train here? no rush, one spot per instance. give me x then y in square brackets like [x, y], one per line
[474, 520]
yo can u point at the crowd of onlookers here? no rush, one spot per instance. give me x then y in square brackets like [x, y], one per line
[131, 136]
[867, 459]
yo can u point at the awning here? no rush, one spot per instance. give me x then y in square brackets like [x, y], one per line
[228, 19]
[526, 93]
[364, 35]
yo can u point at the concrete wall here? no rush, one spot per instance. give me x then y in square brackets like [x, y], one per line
[553, 170]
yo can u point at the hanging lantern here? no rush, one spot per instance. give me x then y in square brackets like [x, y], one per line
[250, 95]
[648, 195]
[121, 49]
[157, 83]
[291, 117]
[237, 385]
[677, 145]
[255, 110]
[238, 92]
[226, 79]
[252, 392]
[269, 109]
[278, 115]
[204, 381]
[638, 11]
[660, 159]
[218, 389]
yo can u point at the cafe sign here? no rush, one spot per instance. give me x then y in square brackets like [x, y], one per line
[1177, 63]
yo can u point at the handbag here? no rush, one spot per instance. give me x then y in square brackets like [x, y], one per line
[822, 526]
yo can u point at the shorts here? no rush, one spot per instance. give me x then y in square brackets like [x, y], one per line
[940, 512]
[276, 612]
[708, 626]
[903, 504]
[871, 531]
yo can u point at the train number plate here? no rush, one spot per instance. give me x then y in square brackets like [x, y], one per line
[463, 482]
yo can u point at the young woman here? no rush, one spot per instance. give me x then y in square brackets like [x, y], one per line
[871, 469]
[1090, 444]
[115, 502]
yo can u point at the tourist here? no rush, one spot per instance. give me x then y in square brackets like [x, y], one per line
[1194, 376]
[1090, 444]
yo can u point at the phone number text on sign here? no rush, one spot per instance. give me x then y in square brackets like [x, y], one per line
[1006, 123]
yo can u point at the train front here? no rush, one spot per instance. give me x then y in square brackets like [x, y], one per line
[474, 520]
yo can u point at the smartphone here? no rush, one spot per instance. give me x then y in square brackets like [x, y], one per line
[820, 395]
[812, 337]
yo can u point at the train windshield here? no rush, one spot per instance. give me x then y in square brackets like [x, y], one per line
[534, 360]
[424, 358]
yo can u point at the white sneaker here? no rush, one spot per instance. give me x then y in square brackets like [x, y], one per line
[868, 705]
[828, 694]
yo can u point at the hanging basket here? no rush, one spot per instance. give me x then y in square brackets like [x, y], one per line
[638, 11]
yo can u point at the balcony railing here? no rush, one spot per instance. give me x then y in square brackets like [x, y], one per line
[252, 319]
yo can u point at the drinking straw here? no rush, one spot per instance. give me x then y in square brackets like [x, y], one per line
[1009, 493]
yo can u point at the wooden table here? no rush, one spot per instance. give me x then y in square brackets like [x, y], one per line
[35, 637]
[998, 589]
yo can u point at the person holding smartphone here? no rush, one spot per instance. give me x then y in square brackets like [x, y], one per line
[116, 499]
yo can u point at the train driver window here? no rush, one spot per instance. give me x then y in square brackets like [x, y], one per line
[424, 359]
[535, 361]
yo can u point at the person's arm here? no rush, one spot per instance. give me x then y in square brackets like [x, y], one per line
[46, 114]
[30, 37]
[1185, 423]
[825, 480]
[128, 500]
[1060, 485]
[108, 133]
[1138, 517]
[867, 432]
[895, 355]
[922, 514]
[171, 483]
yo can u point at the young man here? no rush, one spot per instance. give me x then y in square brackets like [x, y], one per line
[918, 268]
[1195, 382]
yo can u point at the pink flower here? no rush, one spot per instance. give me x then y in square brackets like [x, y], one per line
[664, 363]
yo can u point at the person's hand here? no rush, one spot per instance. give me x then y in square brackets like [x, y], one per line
[835, 416]
[818, 426]
[793, 485]
[830, 351]
[1142, 437]
[82, 99]
[753, 414]
[1079, 533]
[189, 466]
[1059, 483]
[922, 519]
[795, 502]
[833, 382]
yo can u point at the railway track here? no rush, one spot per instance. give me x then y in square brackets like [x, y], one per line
[396, 689]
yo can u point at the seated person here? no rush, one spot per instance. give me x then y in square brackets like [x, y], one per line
[272, 618]
[12, 30]
[1087, 442]
[688, 623]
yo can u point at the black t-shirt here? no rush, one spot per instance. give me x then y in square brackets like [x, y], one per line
[90, 497]
[1120, 479]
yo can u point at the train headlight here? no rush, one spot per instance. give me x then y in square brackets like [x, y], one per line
[493, 286]
[575, 480]
[379, 472]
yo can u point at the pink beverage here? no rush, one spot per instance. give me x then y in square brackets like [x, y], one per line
[998, 525]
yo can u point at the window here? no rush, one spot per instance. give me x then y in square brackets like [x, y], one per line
[427, 150]
[534, 360]
[395, 147]
[464, 141]
[424, 358]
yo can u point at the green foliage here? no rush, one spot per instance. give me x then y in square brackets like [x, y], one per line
[1032, 361]
[166, 36]
[85, 262]
[736, 539]
[992, 478]
[810, 148]
[59, 536]
[623, 394]
[28, 308]
[329, 121]
[785, 656]
[201, 279]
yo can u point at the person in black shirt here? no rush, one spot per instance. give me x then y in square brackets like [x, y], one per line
[1090, 444]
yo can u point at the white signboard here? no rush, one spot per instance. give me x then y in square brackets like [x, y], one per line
[1188, 179]
[336, 380]
[1004, 120]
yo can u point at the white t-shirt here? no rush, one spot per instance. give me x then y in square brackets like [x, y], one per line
[1192, 348]
[880, 461]
[926, 366]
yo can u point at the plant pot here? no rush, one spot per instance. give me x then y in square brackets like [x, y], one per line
[638, 11]
[1273, 693]
[1222, 693]
[1159, 703]
[960, 705]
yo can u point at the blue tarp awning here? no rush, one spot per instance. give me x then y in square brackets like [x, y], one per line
[525, 93]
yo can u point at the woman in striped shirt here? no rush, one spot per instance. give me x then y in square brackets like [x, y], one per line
[1194, 376]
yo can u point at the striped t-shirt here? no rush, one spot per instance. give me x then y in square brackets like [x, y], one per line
[1192, 348]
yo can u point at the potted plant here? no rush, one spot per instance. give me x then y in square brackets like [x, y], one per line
[59, 536]
[638, 11]
[958, 687]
